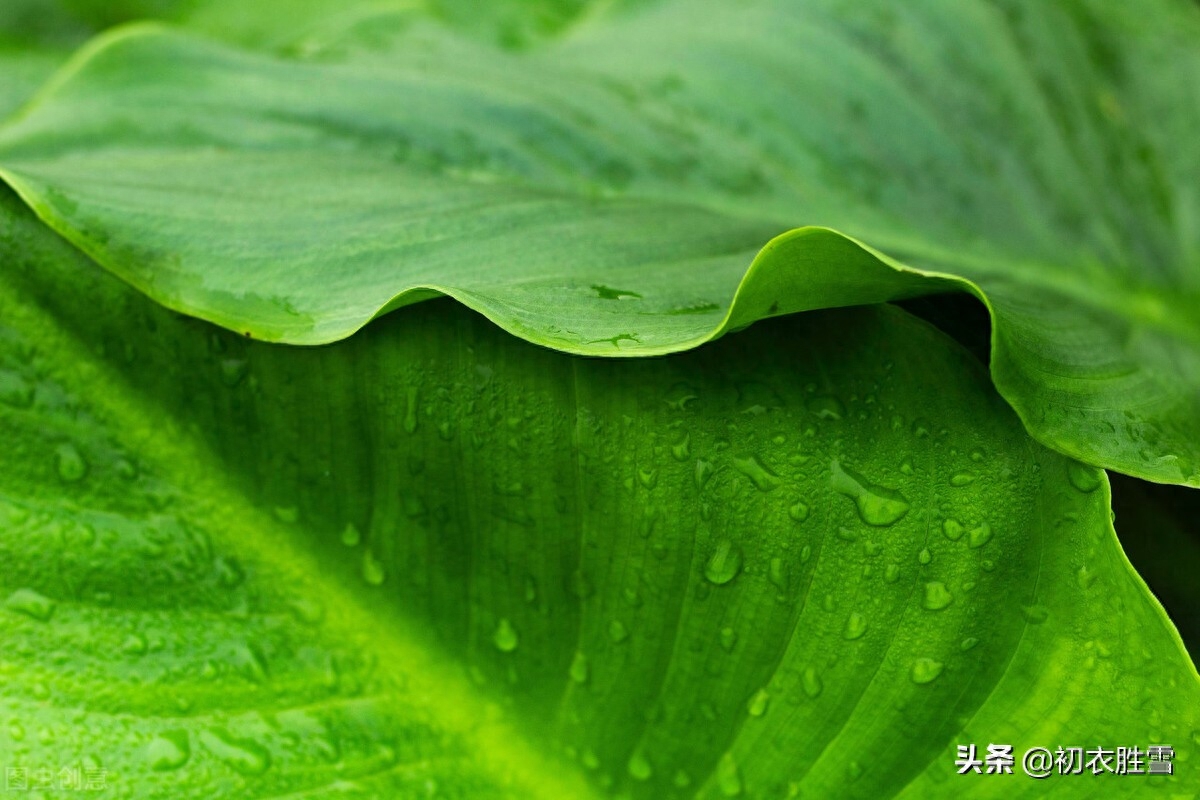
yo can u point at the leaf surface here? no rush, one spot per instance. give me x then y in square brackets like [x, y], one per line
[633, 184]
[435, 560]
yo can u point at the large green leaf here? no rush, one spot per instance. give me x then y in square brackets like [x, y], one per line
[436, 561]
[610, 191]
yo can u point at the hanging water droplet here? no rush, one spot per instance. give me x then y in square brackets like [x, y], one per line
[937, 596]
[505, 636]
[811, 683]
[1085, 479]
[579, 668]
[963, 478]
[877, 505]
[242, 755]
[925, 670]
[31, 603]
[372, 569]
[798, 511]
[69, 463]
[856, 626]
[169, 750]
[639, 767]
[724, 564]
[980, 535]
[759, 703]
[763, 478]
[350, 535]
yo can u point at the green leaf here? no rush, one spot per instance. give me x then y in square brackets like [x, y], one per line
[615, 190]
[436, 559]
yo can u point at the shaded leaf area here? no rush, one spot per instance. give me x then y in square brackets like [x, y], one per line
[609, 189]
[1161, 536]
[436, 559]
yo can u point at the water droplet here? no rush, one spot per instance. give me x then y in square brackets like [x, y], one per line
[728, 638]
[980, 535]
[413, 398]
[683, 448]
[1035, 614]
[505, 637]
[805, 553]
[759, 703]
[724, 564]
[968, 643]
[937, 596]
[579, 668]
[763, 478]
[704, 471]
[70, 463]
[798, 511]
[648, 478]
[287, 513]
[856, 626]
[681, 780]
[169, 750]
[1085, 479]
[810, 681]
[778, 573]
[531, 592]
[617, 631]
[134, 645]
[639, 767]
[826, 407]
[854, 770]
[921, 428]
[1085, 578]
[729, 777]
[243, 755]
[232, 371]
[877, 505]
[892, 572]
[963, 478]
[589, 759]
[350, 535]
[953, 529]
[31, 603]
[925, 670]
[608, 293]
[925, 556]
[372, 569]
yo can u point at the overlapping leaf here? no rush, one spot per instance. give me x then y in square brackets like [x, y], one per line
[608, 190]
[434, 560]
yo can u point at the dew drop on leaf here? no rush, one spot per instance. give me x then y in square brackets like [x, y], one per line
[617, 631]
[728, 638]
[856, 626]
[980, 535]
[169, 750]
[242, 755]
[925, 556]
[877, 506]
[810, 681]
[826, 407]
[763, 478]
[952, 529]
[759, 703]
[639, 767]
[579, 670]
[798, 511]
[350, 535]
[729, 777]
[505, 636]
[372, 569]
[963, 478]
[31, 604]
[724, 564]
[1085, 479]
[937, 596]
[925, 670]
[69, 463]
